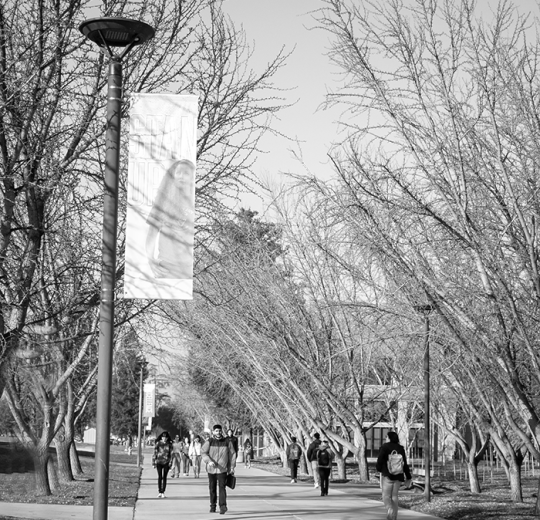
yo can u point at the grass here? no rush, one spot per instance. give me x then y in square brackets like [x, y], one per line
[453, 500]
[17, 484]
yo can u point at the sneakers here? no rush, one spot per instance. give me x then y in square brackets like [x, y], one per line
[315, 485]
[222, 510]
[212, 509]
[161, 495]
[293, 481]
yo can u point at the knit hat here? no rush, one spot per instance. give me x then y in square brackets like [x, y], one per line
[217, 427]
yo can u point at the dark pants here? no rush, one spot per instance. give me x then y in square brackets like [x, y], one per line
[324, 475]
[162, 470]
[213, 480]
[294, 468]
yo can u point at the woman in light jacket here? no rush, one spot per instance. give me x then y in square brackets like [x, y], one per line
[195, 456]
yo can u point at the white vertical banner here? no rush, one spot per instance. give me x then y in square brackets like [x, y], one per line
[161, 197]
[149, 401]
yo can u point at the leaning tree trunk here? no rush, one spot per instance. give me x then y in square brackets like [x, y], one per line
[75, 461]
[303, 465]
[52, 475]
[474, 482]
[341, 468]
[515, 482]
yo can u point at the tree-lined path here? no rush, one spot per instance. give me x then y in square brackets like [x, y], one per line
[260, 495]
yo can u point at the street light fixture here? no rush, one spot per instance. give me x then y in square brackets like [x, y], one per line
[107, 33]
[426, 310]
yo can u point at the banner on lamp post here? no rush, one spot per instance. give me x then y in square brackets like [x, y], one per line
[149, 401]
[161, 197]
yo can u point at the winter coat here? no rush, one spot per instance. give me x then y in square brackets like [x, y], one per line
[162, 453]
[221, 453]
[382, 461]
[330, 457]
[312, 449]
[289, 450]
[234, 441]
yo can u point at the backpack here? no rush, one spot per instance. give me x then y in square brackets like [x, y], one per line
[323, 458]
[395, 463]
[295, 452]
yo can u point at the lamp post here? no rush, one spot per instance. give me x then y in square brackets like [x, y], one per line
[426, 311]
[107, 33]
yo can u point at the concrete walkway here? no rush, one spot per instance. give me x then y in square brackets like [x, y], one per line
[259, 495]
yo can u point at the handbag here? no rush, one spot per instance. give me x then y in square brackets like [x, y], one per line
[231, 481]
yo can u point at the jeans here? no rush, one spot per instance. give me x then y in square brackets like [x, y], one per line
[196, 461]
[294, 468]
[162, 470]
[390, 490]
[324, 476]
[175, 464]
[213, 480]
[186, 463]
[315, 468]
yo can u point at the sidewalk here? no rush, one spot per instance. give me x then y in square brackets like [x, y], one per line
[260, 495]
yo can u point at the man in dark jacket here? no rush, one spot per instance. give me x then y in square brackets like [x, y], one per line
[233, 439]
[220, 458]
[312, 458]
[393, 472]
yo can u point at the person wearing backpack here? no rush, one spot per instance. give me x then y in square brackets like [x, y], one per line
[393, 467]
[324, 462]
[312, 458]
[294, 451]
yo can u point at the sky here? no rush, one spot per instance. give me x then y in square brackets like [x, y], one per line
[271, 24]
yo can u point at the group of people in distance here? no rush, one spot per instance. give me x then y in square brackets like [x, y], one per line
[218, 452]
[318, 455]
[391, 464]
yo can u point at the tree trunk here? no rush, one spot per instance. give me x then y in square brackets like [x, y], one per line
[75, 461]
[63, 445]
[515, 482]
[341, 468]
[283, 456]
[41, 460]
[363, 470]
[474, 482]
[303, 465]
[52, 474]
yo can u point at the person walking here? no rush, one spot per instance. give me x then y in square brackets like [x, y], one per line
[186, 461]
[233, 439]
[294, 452]
[195, 456]
[393, 467]
[312, 458]
[162, 460]
[248, 452]
[220, 458]
[176, 457]
[324, 466]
